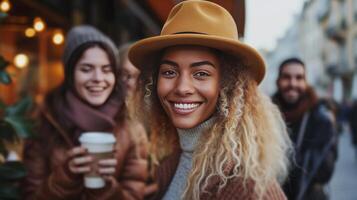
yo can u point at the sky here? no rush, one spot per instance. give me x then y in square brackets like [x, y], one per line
[267, 20]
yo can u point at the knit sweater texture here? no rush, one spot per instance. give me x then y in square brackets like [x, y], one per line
[188, 141]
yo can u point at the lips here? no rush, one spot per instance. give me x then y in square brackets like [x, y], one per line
[184, 108]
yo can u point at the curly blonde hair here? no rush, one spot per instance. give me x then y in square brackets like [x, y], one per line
[248, 134]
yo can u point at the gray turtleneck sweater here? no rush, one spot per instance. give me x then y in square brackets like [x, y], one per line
[188, 142]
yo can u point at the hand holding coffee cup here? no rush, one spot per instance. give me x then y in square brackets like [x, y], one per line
[106, 167]
[100, 146]
[80, 163]
[79, 160]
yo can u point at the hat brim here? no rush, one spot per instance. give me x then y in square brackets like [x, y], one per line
[144, 50]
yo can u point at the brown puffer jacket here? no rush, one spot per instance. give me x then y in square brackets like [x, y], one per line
[49, 177]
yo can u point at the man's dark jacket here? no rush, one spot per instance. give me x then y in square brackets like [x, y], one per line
[315, 148]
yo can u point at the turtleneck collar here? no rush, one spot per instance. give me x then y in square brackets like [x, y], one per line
[189, 137]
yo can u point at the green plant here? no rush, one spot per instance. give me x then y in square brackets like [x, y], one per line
[4, 76]
[14, 125]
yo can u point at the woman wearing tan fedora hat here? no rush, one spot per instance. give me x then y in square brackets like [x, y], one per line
[214, 135]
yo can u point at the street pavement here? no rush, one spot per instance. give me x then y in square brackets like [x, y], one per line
[343, 185]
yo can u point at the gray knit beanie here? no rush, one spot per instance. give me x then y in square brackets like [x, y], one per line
[82, 34]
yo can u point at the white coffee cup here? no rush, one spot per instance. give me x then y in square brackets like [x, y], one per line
[100, 145]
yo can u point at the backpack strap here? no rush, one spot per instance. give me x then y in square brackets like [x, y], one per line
[302, 129]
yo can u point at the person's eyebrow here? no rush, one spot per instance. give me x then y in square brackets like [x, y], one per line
[85, 64]
[169, 62]
[91, 64]
[197, 64]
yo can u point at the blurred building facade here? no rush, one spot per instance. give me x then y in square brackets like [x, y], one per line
[122, 20]
[324, 35]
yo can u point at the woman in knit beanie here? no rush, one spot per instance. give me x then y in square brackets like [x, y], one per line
[91, 98]
[213, 134]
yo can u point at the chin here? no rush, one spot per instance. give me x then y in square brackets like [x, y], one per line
[98, 102]
[186, 124]
[291, 100]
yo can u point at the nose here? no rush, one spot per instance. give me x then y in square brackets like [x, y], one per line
[184, 85]
[98, 75]
[293, 82]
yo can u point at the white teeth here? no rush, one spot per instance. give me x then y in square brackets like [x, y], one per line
[186, 105]
[96, 89]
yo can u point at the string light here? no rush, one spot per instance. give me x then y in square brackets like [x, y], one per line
[30, 32]
[21, 60]
[58, 37]
[5, 6]
[38, 24]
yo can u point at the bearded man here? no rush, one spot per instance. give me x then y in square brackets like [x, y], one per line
[312, 130]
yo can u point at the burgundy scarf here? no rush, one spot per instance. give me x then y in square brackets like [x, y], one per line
[293, 113]
[77, 116]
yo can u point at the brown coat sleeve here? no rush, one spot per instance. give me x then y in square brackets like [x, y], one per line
[131, 181]
[42, 182]
[45, 160]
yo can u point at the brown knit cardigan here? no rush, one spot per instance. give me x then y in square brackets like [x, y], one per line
[234, 190]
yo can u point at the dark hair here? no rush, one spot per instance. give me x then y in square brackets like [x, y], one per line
[77, 54]
[293, 60]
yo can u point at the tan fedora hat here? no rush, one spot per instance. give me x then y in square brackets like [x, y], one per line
[203, 23]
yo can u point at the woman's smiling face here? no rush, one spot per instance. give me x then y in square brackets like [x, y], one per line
[188, 84]
[94, 78]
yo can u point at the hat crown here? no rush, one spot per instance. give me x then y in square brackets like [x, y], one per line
[200, 23]
[201, 17]
[82, 34]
